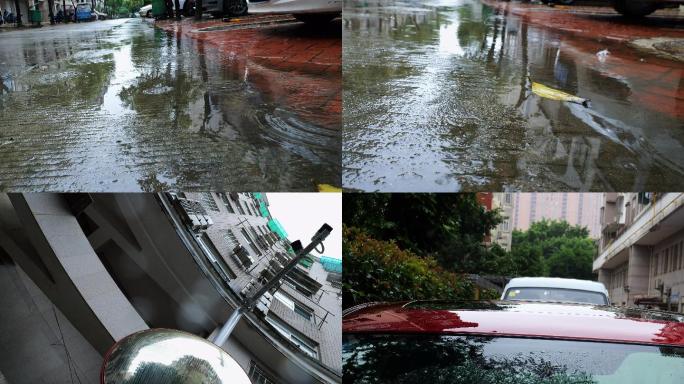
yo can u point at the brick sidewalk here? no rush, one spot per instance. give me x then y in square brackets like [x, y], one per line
[655, 82]
[289, 63]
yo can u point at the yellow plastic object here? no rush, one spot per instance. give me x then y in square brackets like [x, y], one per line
[554, 94]
[328, 188]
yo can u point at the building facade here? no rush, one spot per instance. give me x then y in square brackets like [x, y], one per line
[503, 233]
[640, 257]
[79, 272]
[306, 310]
[576, 208]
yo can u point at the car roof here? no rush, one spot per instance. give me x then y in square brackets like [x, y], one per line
[556, 282]
[519, 319]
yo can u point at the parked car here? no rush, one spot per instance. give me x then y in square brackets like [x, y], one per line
[640, 8]
[145, 11]
[308, 11]
[556, 289]
[631, 8]
[84, 12]
[489, 342]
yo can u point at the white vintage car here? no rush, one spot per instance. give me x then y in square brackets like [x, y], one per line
[556, 289]
[308, 11]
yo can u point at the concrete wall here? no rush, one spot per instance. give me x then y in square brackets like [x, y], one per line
[35, 333]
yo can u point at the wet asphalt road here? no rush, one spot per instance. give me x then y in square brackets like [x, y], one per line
[437, 98]
[118, 105]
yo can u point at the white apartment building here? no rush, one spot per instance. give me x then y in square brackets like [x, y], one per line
[640, 249]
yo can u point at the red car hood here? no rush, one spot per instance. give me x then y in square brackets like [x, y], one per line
[520, 319]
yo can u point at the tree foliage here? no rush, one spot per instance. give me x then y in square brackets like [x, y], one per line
[119, 7]
[553, 248]
[378, 270]
[447, 227]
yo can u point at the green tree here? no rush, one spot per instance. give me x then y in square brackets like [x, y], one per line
[553, 248]
[378, 270]
[450, 228]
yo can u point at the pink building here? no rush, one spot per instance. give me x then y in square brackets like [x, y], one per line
[576, 208]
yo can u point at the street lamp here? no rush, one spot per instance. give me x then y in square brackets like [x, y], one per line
[227, 328]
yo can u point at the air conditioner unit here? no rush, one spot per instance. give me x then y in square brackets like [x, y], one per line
[247, 288]
[264, 303]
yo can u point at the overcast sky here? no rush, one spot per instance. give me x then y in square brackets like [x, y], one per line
[302, 214]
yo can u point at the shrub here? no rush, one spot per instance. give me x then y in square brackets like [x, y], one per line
[376, 270]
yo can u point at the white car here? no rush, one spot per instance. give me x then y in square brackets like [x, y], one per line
[145, 11]
[556, 289]
[308, 11]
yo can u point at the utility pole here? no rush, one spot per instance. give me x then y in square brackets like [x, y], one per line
[248, 304]
[178, 10]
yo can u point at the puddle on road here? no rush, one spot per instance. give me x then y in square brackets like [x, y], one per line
[125, 106]
[437, 98]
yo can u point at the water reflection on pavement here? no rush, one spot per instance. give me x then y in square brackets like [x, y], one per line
[437, 98]
[118, 105]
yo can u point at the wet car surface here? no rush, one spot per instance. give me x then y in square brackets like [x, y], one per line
[119, 105]
[437, 98]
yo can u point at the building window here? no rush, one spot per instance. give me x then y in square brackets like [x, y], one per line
[226, 203]
[294, 306]
[231, 239]
[209, 201]
[303, 312]
[294, 336]
[249, 240]
[221, 268]
[239, 207]
[258, 375]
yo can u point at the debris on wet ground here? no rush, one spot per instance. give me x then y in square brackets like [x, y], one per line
[449, 106]
[667, 47]
[555, 94]
[602, 55]
[328, 188]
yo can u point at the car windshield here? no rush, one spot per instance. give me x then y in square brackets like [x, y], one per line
[504, 360]
[556, 294]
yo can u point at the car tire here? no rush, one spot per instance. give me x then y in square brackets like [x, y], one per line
[315, 18]
[634, 8]
[237, 8]
[148, 14]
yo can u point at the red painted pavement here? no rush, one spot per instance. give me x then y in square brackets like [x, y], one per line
[656, 83]
[290, 64]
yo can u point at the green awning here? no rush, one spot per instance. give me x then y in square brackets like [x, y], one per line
[331, 264]
[264, 209]
[275, 226]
